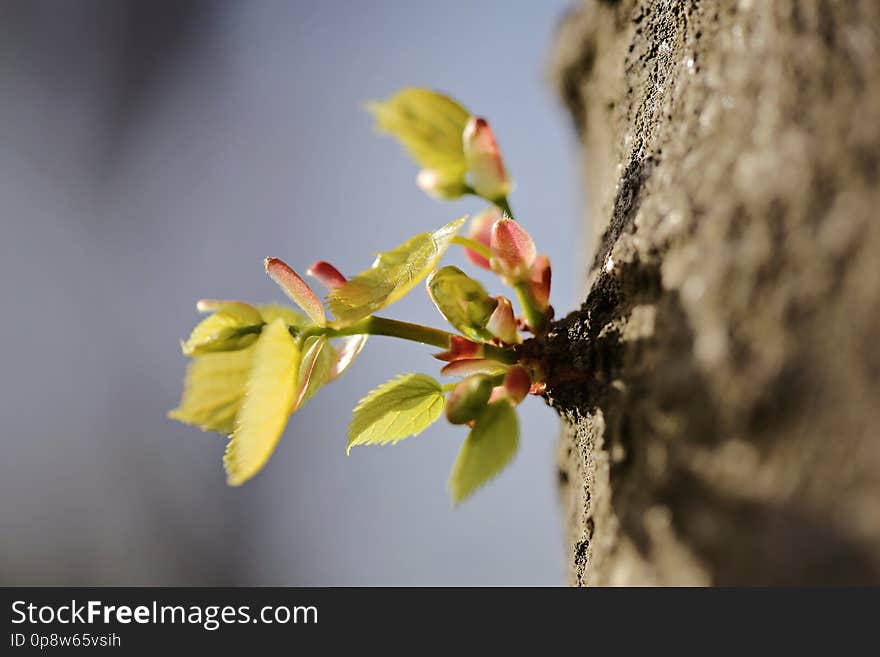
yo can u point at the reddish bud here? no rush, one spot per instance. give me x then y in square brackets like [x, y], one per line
[296, 289]
[469, 366]
[540, 282]
[502, 323]
[513, 251]
[488, 175]
[481, 231]
[459, 349]
[326, 274]
[517, 383]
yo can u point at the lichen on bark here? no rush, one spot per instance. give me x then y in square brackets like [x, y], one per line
[720, 385]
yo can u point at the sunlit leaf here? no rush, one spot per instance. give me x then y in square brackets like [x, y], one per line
[394, 273]
[489, 447]
[462, 300]
[403, 407]
[268, 401]
[430, 127]
[213, 390]
[242, 311]
[316, 365]
[225, 330]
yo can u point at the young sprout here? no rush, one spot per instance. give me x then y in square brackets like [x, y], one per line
[456, 150]
[252, 367]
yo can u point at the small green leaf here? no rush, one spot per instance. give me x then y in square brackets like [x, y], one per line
[403, 407]
[291, 317]
[242, 311]
[463, 301]
[394, 273]
[267, 403]
[225, 330]
[213, 390]
[318, 358]
[429, 125]
[489, 447]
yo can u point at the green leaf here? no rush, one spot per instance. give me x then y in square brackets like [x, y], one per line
[463, 301]
[225, 330]
[318, 358]
[403, 407]
[242, 311]
[394, 273]
[267, 403]
[291, 317]
[489, 447]
[430, 127]
[213, 390]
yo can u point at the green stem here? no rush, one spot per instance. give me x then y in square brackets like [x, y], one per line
[502, 202]
[473, 245]
[534, 317]
[415, 333]
[505, 207]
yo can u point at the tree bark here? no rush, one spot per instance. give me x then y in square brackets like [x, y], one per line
[720, 385]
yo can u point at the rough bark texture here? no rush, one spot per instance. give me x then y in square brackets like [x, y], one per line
[721, 383]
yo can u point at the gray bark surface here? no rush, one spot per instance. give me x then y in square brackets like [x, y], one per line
[720, 385]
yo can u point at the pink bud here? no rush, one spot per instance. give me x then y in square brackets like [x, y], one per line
[502, 322]
[540, 282]
[326, 274]
[469, 366]
[481, 231]
[438, 186]
[459, 349]
[296, 289]
[513, 251]
[488, 176]
[517, 383]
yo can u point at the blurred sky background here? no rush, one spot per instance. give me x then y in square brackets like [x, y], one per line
[153, 154]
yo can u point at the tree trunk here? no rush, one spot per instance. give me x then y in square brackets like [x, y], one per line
[720, 385]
